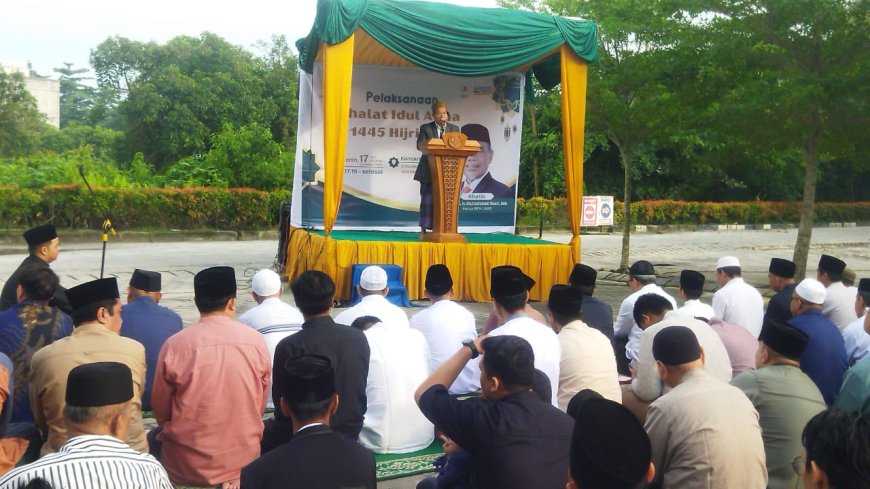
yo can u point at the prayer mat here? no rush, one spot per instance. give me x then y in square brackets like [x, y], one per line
[397, 465]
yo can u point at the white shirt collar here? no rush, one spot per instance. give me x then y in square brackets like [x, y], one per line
[309, 425]
[474, 183]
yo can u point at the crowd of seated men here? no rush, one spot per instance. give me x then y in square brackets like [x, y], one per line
[727, 395]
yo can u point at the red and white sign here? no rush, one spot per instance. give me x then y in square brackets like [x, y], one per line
[590, 211]
[597, 211]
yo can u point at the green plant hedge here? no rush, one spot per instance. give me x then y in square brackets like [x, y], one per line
[70, 206]
[555, 212]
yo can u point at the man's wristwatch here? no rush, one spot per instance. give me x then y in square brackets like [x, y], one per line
[470, 345]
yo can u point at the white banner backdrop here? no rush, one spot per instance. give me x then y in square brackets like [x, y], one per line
[388, 106]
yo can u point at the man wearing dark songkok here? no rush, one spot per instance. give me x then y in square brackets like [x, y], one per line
[595, 312]
[97, 318]
[476, 178]
[609, 448]
[836, 451]
[98, 399]
[454, 467]
[346, 347]
[577, 401]
[515, 439]
[587, 360]
[784, 397]
[641, 281]
[780, 276]
[509, 291]
[839, 305]
[147, 322]
[316, 457]
[691, 290]
[201, 369]
[446, 324]
[495, 320]
[431, 130]
[653, 313]
[28, 326]
[704, 432]
[43, 247]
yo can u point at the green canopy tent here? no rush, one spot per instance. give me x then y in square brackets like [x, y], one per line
[461, 41]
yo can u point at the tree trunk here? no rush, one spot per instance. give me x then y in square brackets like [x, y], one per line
[626, 206]
[805, 230]
[535, 159]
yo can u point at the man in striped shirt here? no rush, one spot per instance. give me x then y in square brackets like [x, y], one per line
[97, 419]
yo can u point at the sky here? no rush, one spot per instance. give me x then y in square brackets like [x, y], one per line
[48, 33]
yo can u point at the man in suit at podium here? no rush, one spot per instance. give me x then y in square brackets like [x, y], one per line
[476, 178]
[435, 129]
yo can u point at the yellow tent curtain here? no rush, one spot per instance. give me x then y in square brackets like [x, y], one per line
[573, 124]
[337, 78]
[469, 263]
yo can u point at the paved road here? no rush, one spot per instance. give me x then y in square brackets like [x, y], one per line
[670, 252]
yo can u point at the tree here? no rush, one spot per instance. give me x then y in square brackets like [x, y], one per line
[76, 98]
[281, 85]
[117, 62]
[249, 157]
[631, 91]
[103, 141]
[795, 79]
[21, 123]
[172, 97]
[541, 164]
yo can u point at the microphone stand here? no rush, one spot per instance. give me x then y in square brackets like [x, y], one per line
[107, 226]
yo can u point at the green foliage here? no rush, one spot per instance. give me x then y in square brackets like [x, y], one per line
[172, 97]
[44, 169]
[76, 98]
[140, 173]
[104, 141]
[192, 172]
[714, 99]
[18, 206]
[669, 212]
[20, 121]
[135, 208]
[541, 168]
[249, 157]
[281, 84]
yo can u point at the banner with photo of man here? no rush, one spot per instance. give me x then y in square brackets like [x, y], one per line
[388, 106]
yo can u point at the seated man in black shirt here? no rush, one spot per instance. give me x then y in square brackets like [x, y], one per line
[347, 349]
[316, 457]
[515, 439]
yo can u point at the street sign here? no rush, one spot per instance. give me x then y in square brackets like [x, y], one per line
[597, 211]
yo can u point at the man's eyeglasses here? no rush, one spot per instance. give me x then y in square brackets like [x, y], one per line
[798, 466]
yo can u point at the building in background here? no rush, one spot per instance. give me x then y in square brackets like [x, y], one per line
[45, 90]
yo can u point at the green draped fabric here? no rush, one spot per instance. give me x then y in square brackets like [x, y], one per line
[462, 41]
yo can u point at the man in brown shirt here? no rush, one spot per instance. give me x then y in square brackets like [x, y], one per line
[97, 319]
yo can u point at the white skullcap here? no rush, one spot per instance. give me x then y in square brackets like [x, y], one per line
[373, 278]
[727, 261]
[266, 283]
[811, 290]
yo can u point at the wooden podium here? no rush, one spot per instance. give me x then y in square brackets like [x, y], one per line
[446, 164]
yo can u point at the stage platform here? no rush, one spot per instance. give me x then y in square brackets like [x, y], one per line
[469, 263]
